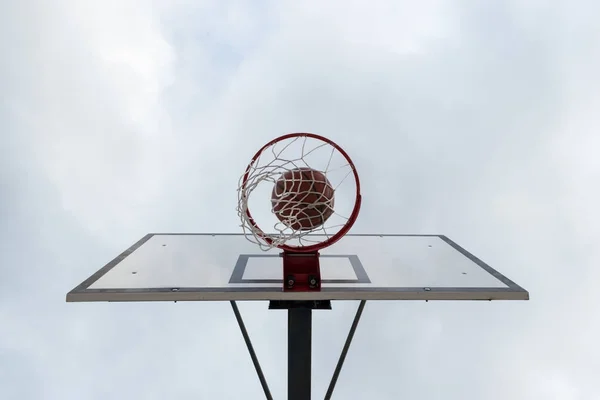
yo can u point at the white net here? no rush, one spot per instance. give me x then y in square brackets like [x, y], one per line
[300, 189]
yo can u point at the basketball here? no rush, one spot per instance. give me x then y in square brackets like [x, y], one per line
[302, 199]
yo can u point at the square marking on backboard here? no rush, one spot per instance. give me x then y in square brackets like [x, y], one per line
[332, 268]
[267, 268]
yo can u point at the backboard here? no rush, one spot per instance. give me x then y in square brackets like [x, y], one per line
[216, 267]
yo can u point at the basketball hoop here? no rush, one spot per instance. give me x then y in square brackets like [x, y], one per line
[305, 174]
[271, 163]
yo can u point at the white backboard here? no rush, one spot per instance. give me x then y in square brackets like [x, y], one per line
[197, 267]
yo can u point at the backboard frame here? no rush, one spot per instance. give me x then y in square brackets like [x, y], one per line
[83, 292]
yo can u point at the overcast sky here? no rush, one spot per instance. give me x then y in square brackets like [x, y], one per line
[477, 120]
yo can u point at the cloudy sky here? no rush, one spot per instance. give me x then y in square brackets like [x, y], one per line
[472, 119]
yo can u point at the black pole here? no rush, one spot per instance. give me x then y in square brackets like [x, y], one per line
[299, 352]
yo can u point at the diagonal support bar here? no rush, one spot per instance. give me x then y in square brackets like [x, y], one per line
[259, 372]
[340, 363]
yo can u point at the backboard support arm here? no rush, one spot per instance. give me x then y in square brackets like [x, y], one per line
[299, 346]
[340, 363]
[261, 376]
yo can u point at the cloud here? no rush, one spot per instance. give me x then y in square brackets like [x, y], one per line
[130, 117]
[94, 120]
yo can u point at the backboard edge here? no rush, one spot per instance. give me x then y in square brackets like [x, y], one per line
[113, 263]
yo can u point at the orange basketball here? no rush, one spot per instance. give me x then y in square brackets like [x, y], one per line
[302, 199]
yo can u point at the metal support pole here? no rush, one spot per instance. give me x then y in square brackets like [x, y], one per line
[299, 353]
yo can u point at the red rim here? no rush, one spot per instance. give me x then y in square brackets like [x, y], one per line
[341, 232]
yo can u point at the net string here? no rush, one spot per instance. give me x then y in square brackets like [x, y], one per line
[291, 202]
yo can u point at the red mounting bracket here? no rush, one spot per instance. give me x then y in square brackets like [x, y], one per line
[301, 272]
